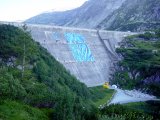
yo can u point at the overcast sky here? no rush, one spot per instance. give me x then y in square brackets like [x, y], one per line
[13, 10]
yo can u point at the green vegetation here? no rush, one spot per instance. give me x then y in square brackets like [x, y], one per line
[101, 95]
[30, 75]
[142, 106]
[149, 110]
[141, 60]
[11, 110]
[115, 117]
[115, 112]
[149, 107]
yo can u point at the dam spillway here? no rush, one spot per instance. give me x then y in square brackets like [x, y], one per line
[88, 54]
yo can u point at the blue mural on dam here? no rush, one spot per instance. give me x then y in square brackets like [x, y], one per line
[79, 48]
[56, 36]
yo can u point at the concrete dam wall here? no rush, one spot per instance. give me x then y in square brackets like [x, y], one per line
[88, 54]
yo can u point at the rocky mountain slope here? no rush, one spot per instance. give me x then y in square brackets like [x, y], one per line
[125, 15]
[89, 15]
[140, 66]
[134, 15]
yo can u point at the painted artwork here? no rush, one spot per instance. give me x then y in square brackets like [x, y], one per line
[56, 36]
[79, 48]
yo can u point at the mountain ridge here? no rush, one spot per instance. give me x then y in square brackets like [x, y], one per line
[134, 16]
[86, 16]
[122, 15]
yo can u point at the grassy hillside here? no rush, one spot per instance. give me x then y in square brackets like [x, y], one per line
[120, 112]
[101, 96]
[150, 107]
[140, 65]
[11, 110]
[30, 75]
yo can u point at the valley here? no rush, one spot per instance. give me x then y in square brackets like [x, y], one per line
[100, 61]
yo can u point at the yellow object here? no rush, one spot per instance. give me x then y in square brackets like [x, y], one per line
[106, 85]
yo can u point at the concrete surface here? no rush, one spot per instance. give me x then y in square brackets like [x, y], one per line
[102, 47]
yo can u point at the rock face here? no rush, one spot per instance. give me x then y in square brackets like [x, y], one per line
[153, 79]
[89, 15]
[134, 15]
[124, 15]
